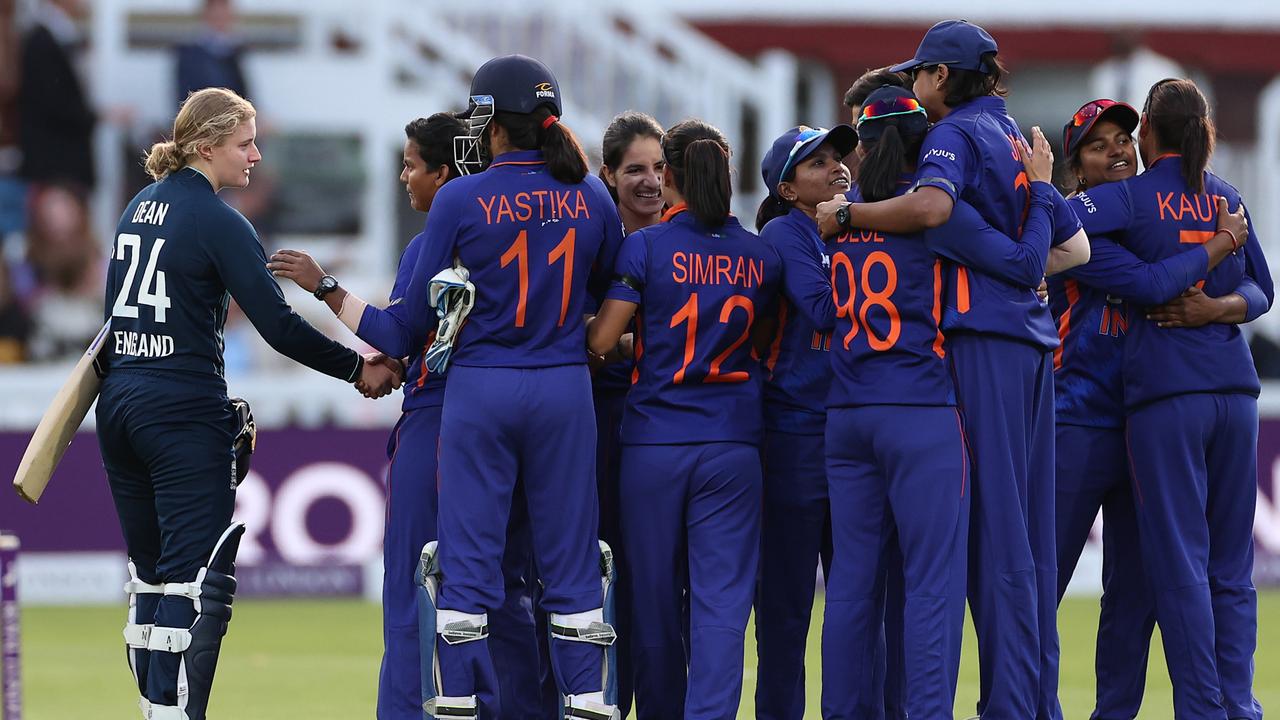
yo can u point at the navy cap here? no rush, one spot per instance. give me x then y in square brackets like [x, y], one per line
[518, 84]
[891, 104]
[1078, 127]
[954, 43]
[793, 146]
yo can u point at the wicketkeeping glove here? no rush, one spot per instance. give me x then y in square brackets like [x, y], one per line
[452, 295]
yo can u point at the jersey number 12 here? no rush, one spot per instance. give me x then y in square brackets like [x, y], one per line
[152, 291]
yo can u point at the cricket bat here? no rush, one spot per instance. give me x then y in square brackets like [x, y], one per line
[59, 424]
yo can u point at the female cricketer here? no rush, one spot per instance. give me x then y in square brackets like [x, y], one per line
[165, 425]
[428, 164]
[1194, 479]
[998, 342]
[803, 167]
[632, 170]
[1092, 304]
[696, 284]
[527, 232]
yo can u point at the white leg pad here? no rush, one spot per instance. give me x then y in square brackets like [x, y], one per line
[451, 708]
[166, 712]
[587, 627]
[589, 706]
[459, 627]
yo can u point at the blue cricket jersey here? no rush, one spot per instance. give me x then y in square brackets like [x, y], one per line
[887, 346]
[798, 366]
[179, 254]
[380, 327]
[1156, 217]
[534, 247]
[972, 155]
[699, 290]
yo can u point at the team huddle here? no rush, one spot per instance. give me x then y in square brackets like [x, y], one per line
[629, 420]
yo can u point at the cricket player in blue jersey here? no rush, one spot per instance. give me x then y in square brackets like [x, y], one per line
[803, 168]
[523, 236]
[1194, 479]
[167, 431]
[697, 285]
[428, 163]
[1091, 304]
[998, 342]
[632, 170]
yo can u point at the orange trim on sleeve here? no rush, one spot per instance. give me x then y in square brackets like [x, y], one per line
[962, 289]
[937, 309]
[1064, 322]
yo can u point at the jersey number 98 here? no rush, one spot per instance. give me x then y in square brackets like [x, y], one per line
[848, 307]
[152, 290]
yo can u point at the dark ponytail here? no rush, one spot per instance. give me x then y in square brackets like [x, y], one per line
[698, 156]
[771, 207]
[894, 151]
[1178, 114]
[564, 156]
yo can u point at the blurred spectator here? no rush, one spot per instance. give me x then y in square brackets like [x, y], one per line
[213, 58]
[65, 257]
[55, 119]
[12, 190]
[15, 323]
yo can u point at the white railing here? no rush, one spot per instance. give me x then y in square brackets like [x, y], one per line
[611, 57]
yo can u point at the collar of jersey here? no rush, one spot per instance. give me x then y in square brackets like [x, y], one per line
[197, 174]
[1164, 156]
[519, 157]
[673, 211]
[986, 103]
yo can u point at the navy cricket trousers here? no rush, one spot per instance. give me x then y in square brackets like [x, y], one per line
[410, 524]
[535, 425]
[1005, 393]
[1092, 474]
[691, 518]
[166, 447]
[794, 537]
[903, 470]
[1194, 460]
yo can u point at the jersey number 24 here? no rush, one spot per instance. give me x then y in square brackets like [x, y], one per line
[152, 290]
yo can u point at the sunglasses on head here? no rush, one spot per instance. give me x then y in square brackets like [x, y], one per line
[890, 107]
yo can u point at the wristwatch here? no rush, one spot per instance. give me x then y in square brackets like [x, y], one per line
[328, 284]
[842, 216]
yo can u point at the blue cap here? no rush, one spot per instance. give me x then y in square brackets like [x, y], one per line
[518, 84]
[793, 146]
[955, 43]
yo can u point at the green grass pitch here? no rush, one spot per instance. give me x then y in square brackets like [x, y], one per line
[317, 660]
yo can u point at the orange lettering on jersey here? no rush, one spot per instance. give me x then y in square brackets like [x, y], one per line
[1013, 144]
[1164, 202]
[524, 211]
[1185, 207]
[700, 269]
[488, 209]
[1205, 212]
[504, 208]
[755, 273]
[1119, 323]
[542, 198]
[723, 265]
[580, 208]
[679, 272]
